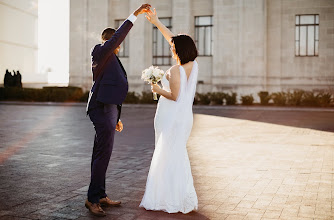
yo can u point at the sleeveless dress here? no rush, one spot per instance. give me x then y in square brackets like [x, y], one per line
[169, 185]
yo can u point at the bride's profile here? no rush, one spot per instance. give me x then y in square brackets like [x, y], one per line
[169, 185]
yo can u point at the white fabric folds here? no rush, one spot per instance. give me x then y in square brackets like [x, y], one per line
[169, 185]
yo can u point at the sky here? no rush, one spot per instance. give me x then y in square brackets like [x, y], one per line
[53, 39]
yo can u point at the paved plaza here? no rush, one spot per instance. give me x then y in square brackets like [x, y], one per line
[247, 162]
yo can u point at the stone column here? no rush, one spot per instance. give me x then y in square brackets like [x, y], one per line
[274, 31]
[182, 20]
[140, 57]
[88, 18]
[239, 45]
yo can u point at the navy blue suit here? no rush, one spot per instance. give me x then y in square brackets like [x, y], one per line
[104, 105]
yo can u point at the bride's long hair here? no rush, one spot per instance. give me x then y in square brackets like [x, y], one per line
[184, 48]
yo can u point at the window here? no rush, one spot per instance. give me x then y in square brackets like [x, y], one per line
[203, 35]
[124, 50]
[161, 51]
[307, 35]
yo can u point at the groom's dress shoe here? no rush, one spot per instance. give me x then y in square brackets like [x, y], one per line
[108, 202]
[95, 208]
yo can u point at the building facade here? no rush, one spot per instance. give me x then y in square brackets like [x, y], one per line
[19, 39]
[245, 46]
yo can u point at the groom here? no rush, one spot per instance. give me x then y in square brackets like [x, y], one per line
[104, 108]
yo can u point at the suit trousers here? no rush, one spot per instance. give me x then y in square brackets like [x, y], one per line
[104, 119]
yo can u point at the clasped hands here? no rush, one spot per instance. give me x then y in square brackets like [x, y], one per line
[151, 16]
[144, 8]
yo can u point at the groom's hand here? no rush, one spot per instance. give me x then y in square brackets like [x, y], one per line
[142, 9]
[119, 126]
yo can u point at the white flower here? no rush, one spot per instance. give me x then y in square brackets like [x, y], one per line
[152, 74]
[156, 72]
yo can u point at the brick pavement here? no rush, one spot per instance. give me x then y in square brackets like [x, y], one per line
[247, 163]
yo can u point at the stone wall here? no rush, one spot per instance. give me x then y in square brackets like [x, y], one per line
[285, 71]
[253, 42]
[88, 18]
[18, 38]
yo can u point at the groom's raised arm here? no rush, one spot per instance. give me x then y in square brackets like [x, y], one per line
[123, 30]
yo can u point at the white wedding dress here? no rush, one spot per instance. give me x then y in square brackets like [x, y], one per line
[169, 185]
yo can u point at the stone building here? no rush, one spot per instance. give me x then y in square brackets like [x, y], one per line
[245, 46]
[18, 38]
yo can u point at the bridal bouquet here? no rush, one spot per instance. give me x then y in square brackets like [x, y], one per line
[152, 75]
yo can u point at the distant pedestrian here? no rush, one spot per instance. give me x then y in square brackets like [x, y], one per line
[7, 82]
[18, 79]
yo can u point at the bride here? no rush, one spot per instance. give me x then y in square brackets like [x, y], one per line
[169, 185]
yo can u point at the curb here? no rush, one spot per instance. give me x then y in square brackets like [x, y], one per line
[208, 107]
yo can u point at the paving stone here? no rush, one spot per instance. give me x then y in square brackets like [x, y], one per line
[247, 163]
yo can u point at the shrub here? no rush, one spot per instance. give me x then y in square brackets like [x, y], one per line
[217, 98]
[264, 97]
[325, 99]
[12, 93]
[310, 99]
[132, 97]
[195, 102]
[279, 98]
[75, 93]
[295, 98]
[37, 95]
[62, 94]
[247, 100]
[231, 99]
[2, 93]
[202, 99]
[147, 98]
[52, 94]
[84, 97]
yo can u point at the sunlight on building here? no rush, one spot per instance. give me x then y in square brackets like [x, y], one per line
[53, 43]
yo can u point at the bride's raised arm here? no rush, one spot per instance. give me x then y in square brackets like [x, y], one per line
[153, 18]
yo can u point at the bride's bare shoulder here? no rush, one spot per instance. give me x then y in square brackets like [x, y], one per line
[173, 71]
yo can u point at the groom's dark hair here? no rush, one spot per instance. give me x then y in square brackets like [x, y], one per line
[185, 48]
[107, 33]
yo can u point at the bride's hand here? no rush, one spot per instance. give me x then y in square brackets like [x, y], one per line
[151, 16]
[155, 88]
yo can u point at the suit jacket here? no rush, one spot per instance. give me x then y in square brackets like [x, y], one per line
[111, 86]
